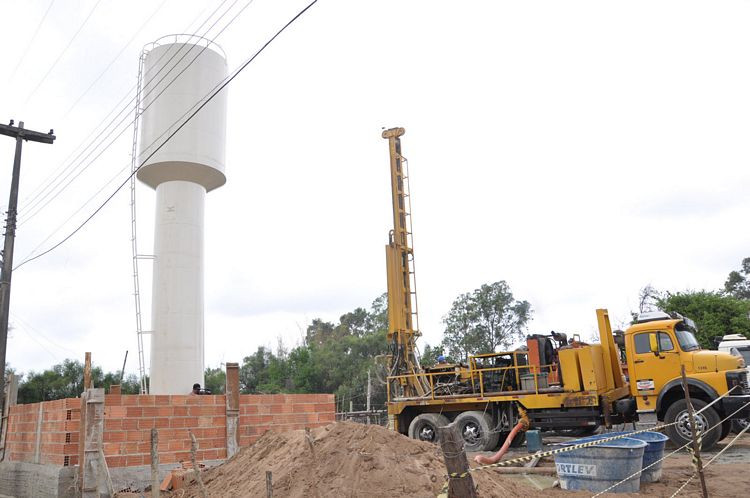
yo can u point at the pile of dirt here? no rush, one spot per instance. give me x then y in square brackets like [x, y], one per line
[346, 459]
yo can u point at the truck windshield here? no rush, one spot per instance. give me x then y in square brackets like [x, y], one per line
[687, 340]
[744, 351]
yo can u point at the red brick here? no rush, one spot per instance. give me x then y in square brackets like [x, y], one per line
[112, 424]
[180, 411]
[326, 417]
[114, 411]
[178, 445]
[133, 412]
[112, 399]
[146, 423]
[161, 422]
[133, 460]
[138, 436]
[146, 399]
[304, 407]
[164, 411]
[150, 411]
[130, 423]
[114, 436]
[115, 461]
[162, 400]
[179, 422]
[129, 400]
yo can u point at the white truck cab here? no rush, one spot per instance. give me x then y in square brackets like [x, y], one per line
[737, 345]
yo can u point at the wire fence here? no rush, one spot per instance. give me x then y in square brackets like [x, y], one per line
[529, 458]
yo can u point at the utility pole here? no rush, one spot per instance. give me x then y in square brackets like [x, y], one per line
[20, 134]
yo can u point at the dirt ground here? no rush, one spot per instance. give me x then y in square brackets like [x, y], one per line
[356, 461]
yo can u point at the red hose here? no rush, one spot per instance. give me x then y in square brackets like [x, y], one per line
[497, 456]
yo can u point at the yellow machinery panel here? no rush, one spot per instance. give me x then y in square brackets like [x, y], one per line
[570, 369]
[592, 368]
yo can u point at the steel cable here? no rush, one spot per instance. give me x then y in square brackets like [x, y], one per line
[229, 80]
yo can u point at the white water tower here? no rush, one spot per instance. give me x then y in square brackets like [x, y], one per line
[178, 73]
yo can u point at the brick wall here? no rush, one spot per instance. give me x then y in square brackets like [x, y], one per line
[283, 412]
[128, 420]
[56, 437]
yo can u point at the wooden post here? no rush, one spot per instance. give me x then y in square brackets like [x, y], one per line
[452, 445]
[155, 483]
[369, 394]
[694, 431]
[11, 398]
[269, 484]
[92, 432]
[310, 440]
[232, 391]
[196, 469]
[87, 372]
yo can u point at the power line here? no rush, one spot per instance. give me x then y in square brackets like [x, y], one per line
[36, 203]
[192, 115]
[31, 41]
[44, 78]
[38, 210]
[156, 10]
[50, 180]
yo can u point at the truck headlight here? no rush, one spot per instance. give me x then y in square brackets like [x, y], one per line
[737, 380]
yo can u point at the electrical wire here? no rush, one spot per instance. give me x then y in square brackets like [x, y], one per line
[54, 180]
[104, 71]
[54, 64]
[31, 41]
[192, 115]
[36, 206]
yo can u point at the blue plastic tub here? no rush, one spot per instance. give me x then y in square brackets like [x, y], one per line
[596, 468]
[653, 453]
[533, 441]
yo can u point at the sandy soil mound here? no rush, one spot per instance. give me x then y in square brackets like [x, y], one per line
[350, 460]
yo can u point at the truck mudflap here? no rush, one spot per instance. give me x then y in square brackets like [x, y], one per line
[733, 403]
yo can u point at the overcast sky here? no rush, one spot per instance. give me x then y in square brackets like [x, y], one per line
[577, 150]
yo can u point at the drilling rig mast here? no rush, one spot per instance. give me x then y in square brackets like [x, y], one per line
[403, 323]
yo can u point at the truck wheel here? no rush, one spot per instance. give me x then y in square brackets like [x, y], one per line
[739, 424]
[424, 427]
[477, 431]
[680, 433]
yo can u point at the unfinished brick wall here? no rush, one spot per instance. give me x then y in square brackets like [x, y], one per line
[128, 420]
[51, 439]
[283, 412]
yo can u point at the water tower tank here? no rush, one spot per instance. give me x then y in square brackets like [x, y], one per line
[178, 74]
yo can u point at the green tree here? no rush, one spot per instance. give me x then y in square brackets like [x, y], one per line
[65, 380]
[738, 282]
[484, 320]
[430, 355]
[216, 380]
[714, 313]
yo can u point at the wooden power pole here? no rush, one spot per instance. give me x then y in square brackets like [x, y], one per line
[20, 134]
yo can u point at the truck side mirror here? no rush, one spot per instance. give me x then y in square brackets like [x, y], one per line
[653, 343]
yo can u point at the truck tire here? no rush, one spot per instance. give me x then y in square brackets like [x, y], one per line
[726, 428]
[680, 433]
[424, 427]
[478, 431]
[739, 424]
